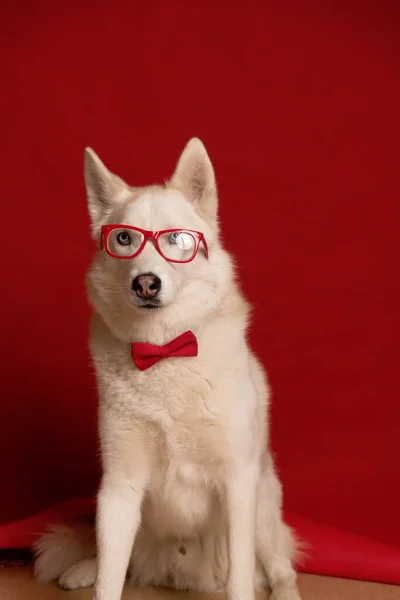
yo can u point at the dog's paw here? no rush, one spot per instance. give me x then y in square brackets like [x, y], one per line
[285, 592]
[81, 575]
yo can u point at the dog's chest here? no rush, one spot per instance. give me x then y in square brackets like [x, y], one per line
[181, 499]
[185, 482]
[189, 447]
[174, 392]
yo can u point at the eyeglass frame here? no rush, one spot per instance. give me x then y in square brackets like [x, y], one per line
[154, 235]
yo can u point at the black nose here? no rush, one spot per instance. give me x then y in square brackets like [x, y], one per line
[146, 286]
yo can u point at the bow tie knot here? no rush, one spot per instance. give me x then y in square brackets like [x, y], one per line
[164, 351]
[146, 355]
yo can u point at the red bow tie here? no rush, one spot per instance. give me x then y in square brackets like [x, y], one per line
[146, 355]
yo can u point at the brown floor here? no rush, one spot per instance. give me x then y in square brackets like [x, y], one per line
[17, 584]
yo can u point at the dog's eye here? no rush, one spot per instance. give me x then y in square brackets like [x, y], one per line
[183, 240]
[123, 238]
[173, 237]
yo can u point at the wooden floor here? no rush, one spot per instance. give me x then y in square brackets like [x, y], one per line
[17, 584]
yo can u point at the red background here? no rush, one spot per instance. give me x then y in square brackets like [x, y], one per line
[298, 105]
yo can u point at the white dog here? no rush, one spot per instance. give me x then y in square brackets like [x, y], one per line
[189, 496]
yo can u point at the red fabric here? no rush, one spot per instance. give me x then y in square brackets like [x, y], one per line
[297, 103]
[146, 355]
[22, 534]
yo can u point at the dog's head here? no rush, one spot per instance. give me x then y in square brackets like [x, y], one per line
[142, 279]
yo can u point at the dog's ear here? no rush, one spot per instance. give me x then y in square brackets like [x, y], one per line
[103, 189]
[194, 176]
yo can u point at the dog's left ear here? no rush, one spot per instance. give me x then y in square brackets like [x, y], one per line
[194, 176]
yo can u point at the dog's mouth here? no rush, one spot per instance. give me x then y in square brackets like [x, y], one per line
[149, 306]
[144, 304]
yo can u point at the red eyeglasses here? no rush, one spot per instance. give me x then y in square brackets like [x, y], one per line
[175, 245]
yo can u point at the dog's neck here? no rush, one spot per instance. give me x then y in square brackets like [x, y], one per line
[157, 327]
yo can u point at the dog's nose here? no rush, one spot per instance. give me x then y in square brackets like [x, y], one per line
[146, 286]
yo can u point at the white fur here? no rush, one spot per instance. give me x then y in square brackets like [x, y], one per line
[189, 496]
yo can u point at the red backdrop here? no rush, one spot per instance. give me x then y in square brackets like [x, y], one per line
[298, 105]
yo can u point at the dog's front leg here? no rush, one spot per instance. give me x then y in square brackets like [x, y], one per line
[241, 505]
[118, 518]
[125, 474]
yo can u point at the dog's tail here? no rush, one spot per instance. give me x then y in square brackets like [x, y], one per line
[300, 549]
[62, 547]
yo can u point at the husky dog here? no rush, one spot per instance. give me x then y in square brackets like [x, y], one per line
[189, 496]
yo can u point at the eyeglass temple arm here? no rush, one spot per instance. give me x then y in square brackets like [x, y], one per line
[205, 244]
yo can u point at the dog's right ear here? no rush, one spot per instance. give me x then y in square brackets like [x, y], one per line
[194, 176]
[103, 189]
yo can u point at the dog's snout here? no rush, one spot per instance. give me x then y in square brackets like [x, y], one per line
[146, 286]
